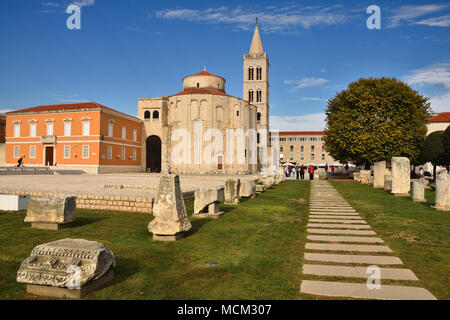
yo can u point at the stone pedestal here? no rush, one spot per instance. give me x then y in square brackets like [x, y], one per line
[365, 176]
[443, 192]
[67, 268]
[51, 213]
[418, 192]
[379, 170]
[206, 203]
[170, 220]
[387, 182]
[232, 187]
[400, 176]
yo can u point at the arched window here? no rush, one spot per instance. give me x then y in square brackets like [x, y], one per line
[257, 138]
[258, 116]
[156, 114]
[258, 73]
[258, 96]
[147, 114]
[250, 73]
[250, 95]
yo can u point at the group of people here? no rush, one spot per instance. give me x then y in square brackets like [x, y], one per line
[299, 171]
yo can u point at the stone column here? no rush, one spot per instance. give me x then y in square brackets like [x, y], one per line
[232, 187]
[379, 170]
[443, 192]
[400, 176]
[387, 182]
[418, 192]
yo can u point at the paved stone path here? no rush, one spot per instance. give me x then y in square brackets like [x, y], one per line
[340, 239]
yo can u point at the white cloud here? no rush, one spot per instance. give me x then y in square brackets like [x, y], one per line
[408, 14]
[443, 21]
[3, 111]
[312, 99]
[435, 75]
[273, 19]
[84, 3]
[306, 83]
[308, 122]
[50, 4]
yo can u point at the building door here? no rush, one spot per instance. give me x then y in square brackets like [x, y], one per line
[153, 154]
[49, 156]
[220, 163]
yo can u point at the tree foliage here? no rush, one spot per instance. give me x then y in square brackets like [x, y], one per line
[433, 148]
[374, 120]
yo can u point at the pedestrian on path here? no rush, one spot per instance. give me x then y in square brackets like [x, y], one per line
[302, 172]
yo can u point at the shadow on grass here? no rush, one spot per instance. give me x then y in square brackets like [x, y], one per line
[82, 221]
[197, 225]
[125, 268]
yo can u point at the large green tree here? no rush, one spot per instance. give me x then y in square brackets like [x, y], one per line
[435, 149]
[376, 119]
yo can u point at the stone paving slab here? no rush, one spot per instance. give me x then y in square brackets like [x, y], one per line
[338, 221]
[351, 258]
[332, 210]
[338, 231]
[319, 216]
[338, 226]
[347, 247]
[338, 213]
[358, 272]
[345, 239]
[358, 290]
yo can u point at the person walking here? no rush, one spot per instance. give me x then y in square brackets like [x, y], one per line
[297, 169]
[311, 172]
[19, 162]
[302, 172]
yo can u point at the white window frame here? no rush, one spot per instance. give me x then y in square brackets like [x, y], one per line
[109, 152]
[33, 129]
[124, 133]
[110, 128]
[17, 130]
[134, 155]
[16, 152]
[67, 147]
[82, 151]
[123, 154]
[67, 128]
[86, 128]
[50, 128]
[134, 134]
[32, 152]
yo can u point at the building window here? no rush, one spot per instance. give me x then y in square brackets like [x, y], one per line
[292, 148]
[198, 85]
[302, 149]
[250, 73]
[32, 152]
[32, 129]
[312, 148]
[85, 154]
[110, 129]
[258, 96]
[16, 130]
[258, 116]
[155, 114]
[134, 135]
[16, 151]
[49, 128]
[323, 148]
[323, 157]
[147, 114]
[250, 96]
[124, 133]
[281, 149]
[123, 154]
[302, 157]
[134, 155]
[66, 152]
[312, 156]
[86, 128]
[109, 152]
[237, 113]
[258, 138]
[67, 129]
[258, 73]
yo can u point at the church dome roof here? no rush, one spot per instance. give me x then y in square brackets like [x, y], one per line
[204, 80]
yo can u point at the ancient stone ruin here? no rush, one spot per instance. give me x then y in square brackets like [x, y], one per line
[443, 192]
[51, 213]
[418, 192]
[401, 183]
[232, 187]
[379, 171]
[388, 182]
[247, 189]
[170, 222]
[206, 203]
[67, 268]
[365, 176]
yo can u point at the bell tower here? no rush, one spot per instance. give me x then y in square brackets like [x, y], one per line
[256, 79]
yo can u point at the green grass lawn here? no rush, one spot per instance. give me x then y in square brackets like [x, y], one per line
[260, 252]
[418, 234]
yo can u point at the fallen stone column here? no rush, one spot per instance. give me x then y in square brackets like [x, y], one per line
[51, 213]
[206, 203]
[67, 268]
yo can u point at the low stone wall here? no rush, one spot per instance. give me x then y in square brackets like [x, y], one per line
[98, 202]
[102, 202]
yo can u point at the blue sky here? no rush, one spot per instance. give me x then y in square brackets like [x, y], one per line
[136, 48]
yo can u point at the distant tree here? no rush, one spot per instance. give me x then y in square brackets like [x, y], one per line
[374, 120]
[433, 150]
[446, 142]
